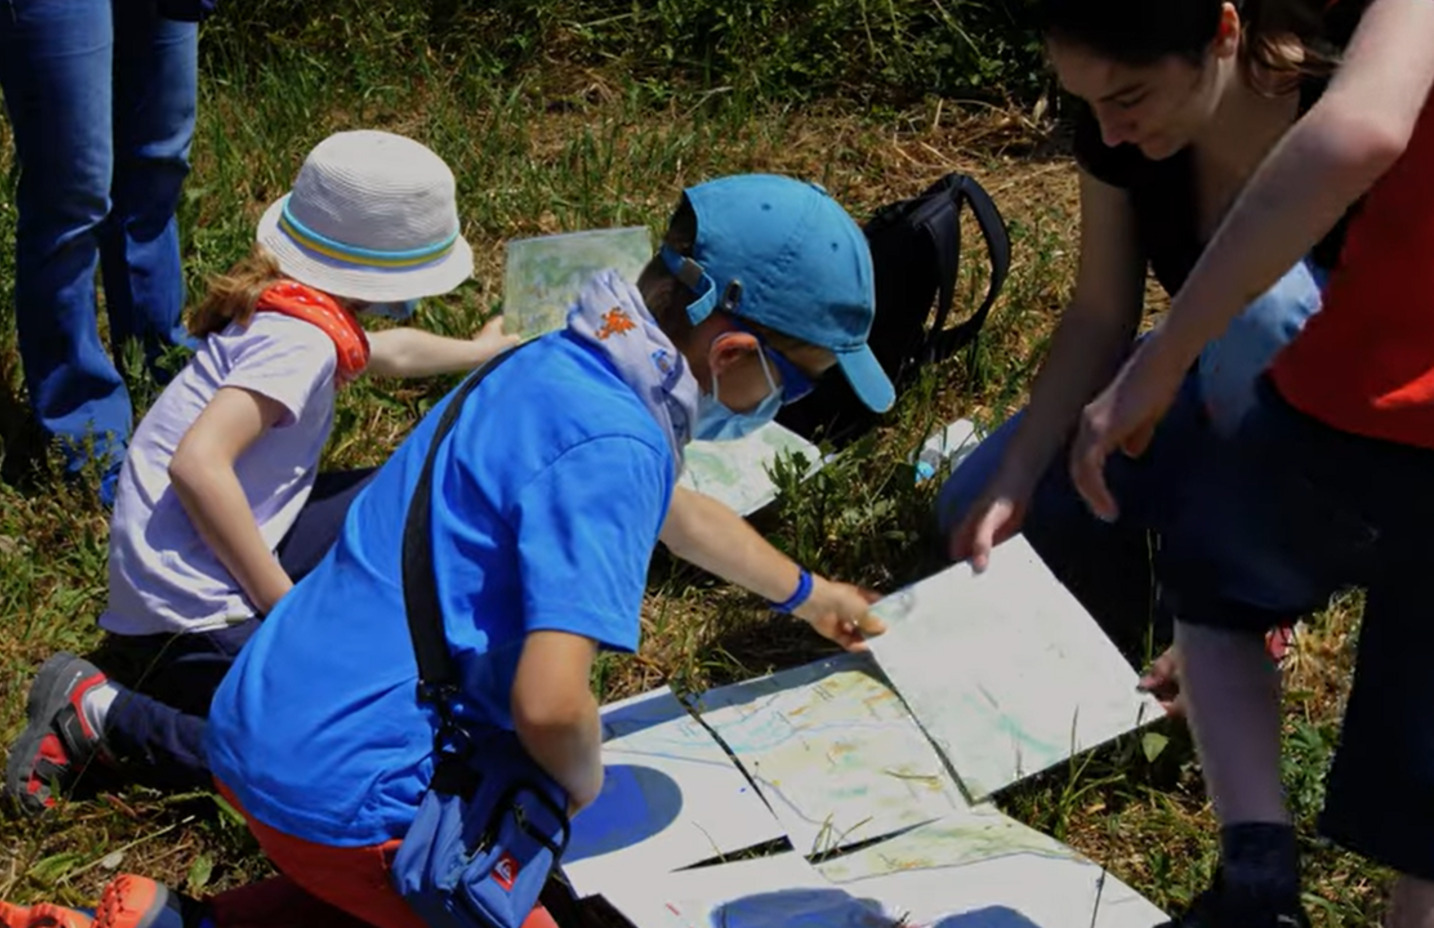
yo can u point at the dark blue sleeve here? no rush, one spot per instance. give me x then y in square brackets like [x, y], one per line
[586, 527]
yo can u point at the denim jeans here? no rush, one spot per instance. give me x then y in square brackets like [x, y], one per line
[1108, 567]
[101, 96]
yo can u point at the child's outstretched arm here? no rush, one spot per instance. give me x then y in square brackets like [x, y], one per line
[414, 353]
[555, 713]
[202, 472]
[704, 532]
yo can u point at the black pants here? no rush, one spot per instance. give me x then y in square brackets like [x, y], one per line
[157, 727]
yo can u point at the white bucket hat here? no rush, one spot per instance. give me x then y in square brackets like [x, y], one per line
[372, 217]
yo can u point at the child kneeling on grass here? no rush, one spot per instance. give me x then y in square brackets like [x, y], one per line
[222, 469]
[547, 499]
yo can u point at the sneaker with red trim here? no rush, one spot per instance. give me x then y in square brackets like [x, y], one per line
[43, 915]
[131, 901]
[59, 744]
[1279, 642]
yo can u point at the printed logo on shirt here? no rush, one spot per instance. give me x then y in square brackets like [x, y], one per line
[615, 322]
[505, 872]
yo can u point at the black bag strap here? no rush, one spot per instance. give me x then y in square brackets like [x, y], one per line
[437, 675]
[941, 221]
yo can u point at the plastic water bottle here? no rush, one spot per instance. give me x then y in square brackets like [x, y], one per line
[927, 463]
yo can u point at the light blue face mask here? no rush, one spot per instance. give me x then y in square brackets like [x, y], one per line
[397, 311]
[717, 422]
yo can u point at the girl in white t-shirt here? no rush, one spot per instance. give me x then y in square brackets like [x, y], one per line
[221, 473]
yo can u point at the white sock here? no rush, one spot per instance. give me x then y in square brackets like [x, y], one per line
[96, 704]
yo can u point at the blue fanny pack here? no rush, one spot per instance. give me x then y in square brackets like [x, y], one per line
[493, 825]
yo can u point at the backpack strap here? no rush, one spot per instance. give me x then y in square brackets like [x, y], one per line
[437, 675]
[940, 219]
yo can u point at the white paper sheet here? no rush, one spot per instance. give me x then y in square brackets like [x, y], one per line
[782, 891]
[981, 869]
[671, 798]
[737, 472]
[1005, 671]
[834, 751]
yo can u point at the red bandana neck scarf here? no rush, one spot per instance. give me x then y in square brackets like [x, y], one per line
[318, 308]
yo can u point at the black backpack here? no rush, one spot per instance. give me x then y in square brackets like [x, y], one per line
[916, 254]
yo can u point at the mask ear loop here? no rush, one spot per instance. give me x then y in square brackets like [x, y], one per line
[772, 387]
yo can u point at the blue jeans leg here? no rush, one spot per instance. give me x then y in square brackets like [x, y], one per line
[55, 70]
[1107, 567]
[155, 91]
[1231, 366]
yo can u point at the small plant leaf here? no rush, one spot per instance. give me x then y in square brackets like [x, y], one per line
[199, 873]
[1152, 744]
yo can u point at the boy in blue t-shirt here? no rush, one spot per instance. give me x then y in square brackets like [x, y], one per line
[548, 497]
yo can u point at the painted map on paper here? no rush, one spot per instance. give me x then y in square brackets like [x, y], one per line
[834, 752]
[737, 472]
[782, 891]
[1005, 670]
[671, 798]
[981, 869]
[543, 275]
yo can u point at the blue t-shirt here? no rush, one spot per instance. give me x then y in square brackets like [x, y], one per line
[548, 497]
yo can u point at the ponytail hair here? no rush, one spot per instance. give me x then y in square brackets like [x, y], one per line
[1285, 42]
[233, 296]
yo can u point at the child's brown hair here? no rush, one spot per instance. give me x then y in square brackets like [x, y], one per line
[233, 295]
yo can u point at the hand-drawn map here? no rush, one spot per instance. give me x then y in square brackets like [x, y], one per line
[543, 275]
[976, 870]
[980, 868]
[671, 798]
[738, 472]
[1005, 671]
[781, 891]
[834, 752]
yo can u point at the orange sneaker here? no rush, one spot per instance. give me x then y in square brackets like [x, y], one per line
[43, 915]
[131, 901]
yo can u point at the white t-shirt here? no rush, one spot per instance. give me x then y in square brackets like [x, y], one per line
[163, 576]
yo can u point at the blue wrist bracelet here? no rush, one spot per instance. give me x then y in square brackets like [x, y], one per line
[803, 593]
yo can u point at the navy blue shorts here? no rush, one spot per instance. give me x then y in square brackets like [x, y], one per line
[1273, 523]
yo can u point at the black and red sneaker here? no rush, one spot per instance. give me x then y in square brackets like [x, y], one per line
[58, 744]
[131, 901]
[43, 915]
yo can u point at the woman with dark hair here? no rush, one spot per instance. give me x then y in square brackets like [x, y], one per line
[1326, 484]
[1181, 101]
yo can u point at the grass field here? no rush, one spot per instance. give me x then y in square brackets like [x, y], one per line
[583, 148]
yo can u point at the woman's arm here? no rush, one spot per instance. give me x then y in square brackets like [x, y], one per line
[1093, 335]
[1094, 332]
[414, 353]
[202, 473]
[1325, 163]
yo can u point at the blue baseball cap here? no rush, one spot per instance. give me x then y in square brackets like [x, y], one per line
[781, 252]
